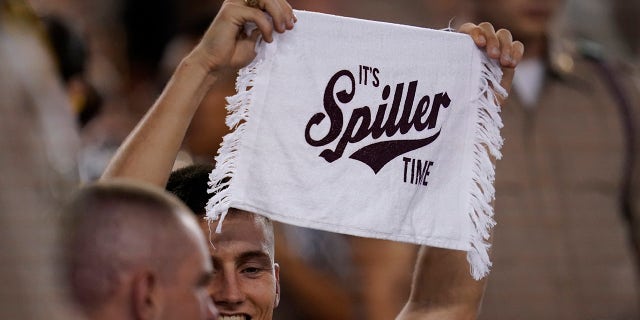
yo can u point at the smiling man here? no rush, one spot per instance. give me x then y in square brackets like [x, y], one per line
[246, 278]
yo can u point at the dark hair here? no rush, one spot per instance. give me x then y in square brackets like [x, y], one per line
[189, 184]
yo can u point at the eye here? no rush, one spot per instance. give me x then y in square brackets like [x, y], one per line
[251, 270]
[254, 264]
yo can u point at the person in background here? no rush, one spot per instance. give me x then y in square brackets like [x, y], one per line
[38, 144]
[567, 189]
[133, 252]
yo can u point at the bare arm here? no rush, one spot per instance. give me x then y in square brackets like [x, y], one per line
[384, 269]
[442, 286]
[150, 150]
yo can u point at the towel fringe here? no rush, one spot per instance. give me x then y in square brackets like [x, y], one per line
[487, 143]
[238, 113]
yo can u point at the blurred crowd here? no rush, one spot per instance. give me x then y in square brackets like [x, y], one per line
[567, 244]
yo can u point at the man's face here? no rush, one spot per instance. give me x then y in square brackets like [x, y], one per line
[524, 18]
[186, 294]
[245, 283]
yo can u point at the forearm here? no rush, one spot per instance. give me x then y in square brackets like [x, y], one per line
[384, 268]
[443, 287]
[150, 150]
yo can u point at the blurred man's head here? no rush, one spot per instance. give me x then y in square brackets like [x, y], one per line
[134, 252]
[246, 278]
[524, 18]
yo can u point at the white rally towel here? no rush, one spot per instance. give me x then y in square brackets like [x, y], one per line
[366, 128]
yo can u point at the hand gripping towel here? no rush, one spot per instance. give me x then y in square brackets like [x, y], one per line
[369, 129]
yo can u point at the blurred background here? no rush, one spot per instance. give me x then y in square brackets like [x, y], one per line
[114, 57]
[131, 47]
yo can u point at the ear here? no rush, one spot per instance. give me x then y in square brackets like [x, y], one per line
[276, 268]
[145, 295]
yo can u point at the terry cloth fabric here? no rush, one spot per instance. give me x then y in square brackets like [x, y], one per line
[366, 128]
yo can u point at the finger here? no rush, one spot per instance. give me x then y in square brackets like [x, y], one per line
[508, 72]
[275, 9]
[253, 37]
[291, 17]
[517, 52]
[507, 79]
[261, 20]
[505, 82]
[493, 45]
[240, 14]
[281, 13]
[245, 50]
[505, 39]
[475, 32]
[288, 17]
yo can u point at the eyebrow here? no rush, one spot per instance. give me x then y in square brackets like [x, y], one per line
[259, 255]
[254, 255]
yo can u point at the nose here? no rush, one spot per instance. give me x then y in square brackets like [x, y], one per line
[228, 291]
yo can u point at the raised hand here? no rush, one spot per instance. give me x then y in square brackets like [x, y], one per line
[226, 44]
[499, 45]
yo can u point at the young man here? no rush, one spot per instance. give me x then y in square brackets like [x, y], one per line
[442, 286]
[133, 252]
[149, 152]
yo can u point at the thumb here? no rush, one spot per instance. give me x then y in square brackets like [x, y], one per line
[507, 79]
[245, 50]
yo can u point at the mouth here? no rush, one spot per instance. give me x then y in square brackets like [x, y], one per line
[234, 317]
